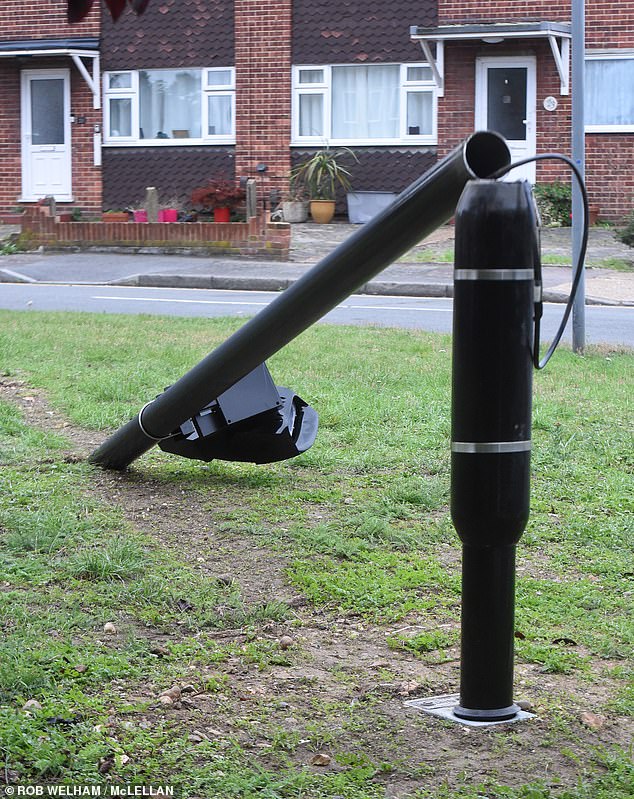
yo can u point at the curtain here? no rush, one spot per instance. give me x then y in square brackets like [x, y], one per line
[609, 91]
[311, 115]
[365, 102]
[169, 101]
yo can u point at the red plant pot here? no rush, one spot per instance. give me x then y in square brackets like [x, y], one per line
[140, 216]
[222, 215]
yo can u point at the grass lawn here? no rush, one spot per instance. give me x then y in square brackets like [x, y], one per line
[242, 631]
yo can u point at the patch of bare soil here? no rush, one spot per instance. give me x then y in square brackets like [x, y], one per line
[338, 691]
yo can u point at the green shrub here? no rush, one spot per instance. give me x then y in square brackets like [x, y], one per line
[626, 234]
[554, 201]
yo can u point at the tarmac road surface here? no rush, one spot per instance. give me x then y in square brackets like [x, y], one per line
[612, 325]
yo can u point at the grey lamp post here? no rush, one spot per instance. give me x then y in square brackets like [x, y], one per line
[579, 157]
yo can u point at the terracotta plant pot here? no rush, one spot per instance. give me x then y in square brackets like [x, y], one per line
[222, 214]
[115, 216]
[322, 211]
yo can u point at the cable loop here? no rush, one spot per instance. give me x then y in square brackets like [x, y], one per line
[577, 268]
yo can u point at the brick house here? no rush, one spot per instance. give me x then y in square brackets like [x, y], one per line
[506, 65]
[202, 88]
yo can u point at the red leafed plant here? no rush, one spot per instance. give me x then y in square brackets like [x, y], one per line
[221, 193]
[78, 9]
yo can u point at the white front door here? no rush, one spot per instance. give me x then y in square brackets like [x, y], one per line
[46, 140]
[506, 103]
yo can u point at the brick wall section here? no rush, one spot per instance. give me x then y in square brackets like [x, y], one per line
[10, 159]
[22, 19]
[263, 91]
[609, 157]
[609, 23]
[255, 238]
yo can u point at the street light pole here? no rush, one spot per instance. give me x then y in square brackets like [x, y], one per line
[579, 157]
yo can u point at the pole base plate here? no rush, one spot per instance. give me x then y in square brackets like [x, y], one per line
[443, 706]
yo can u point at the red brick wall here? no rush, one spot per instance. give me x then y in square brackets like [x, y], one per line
[10, 167]
[609, 176]
[254, 238]
[500, 11]
[263, 90]
[23, 19]
[609, 23]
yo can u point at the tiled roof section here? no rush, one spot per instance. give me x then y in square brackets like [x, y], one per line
[175, 171]
[345, 31]
[170, 34]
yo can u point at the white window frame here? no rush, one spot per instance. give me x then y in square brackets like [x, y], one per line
[325, 90]
[210, 89]
[129, 93]
[610, 55]
[207, 89]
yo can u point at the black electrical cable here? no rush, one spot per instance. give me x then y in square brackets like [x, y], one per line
[578, 267]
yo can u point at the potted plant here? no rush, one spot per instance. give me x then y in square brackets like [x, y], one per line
[221, 196]
[295, 206]
[115, 216]
[139, 214]
[170, 210]
[321, 174]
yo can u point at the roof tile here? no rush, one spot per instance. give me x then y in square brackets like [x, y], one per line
[199, 33]
[327, 32]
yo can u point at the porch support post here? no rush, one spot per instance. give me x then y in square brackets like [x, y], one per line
[434, 63]
[91, 80]
[562, 61]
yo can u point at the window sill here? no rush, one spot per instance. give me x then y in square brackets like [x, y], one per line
[170, 142]
[59, 198]
[609, 128]
[418, 141]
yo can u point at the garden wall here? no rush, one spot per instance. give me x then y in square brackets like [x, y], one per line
[258, 237]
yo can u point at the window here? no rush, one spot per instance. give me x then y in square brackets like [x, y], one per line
[170, 106]
[364, 103]
[609, 92]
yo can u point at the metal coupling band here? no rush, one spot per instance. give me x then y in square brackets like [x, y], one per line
[494, 274]
[490, 447]
[143, 430]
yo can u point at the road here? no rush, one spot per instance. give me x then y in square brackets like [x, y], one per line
[604, 324]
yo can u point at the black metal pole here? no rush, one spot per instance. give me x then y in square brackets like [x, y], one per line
[424, 205]
[496, 244]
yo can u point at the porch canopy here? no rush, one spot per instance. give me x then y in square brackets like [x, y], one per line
[557, 33]
[77, 48]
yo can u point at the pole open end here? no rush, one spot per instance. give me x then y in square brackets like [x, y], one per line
[485, 152]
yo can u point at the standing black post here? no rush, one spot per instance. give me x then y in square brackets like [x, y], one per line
[496, 244]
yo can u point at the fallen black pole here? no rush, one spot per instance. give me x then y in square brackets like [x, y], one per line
[427, 203]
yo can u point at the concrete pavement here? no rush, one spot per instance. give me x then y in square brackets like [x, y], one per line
[425, 271]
